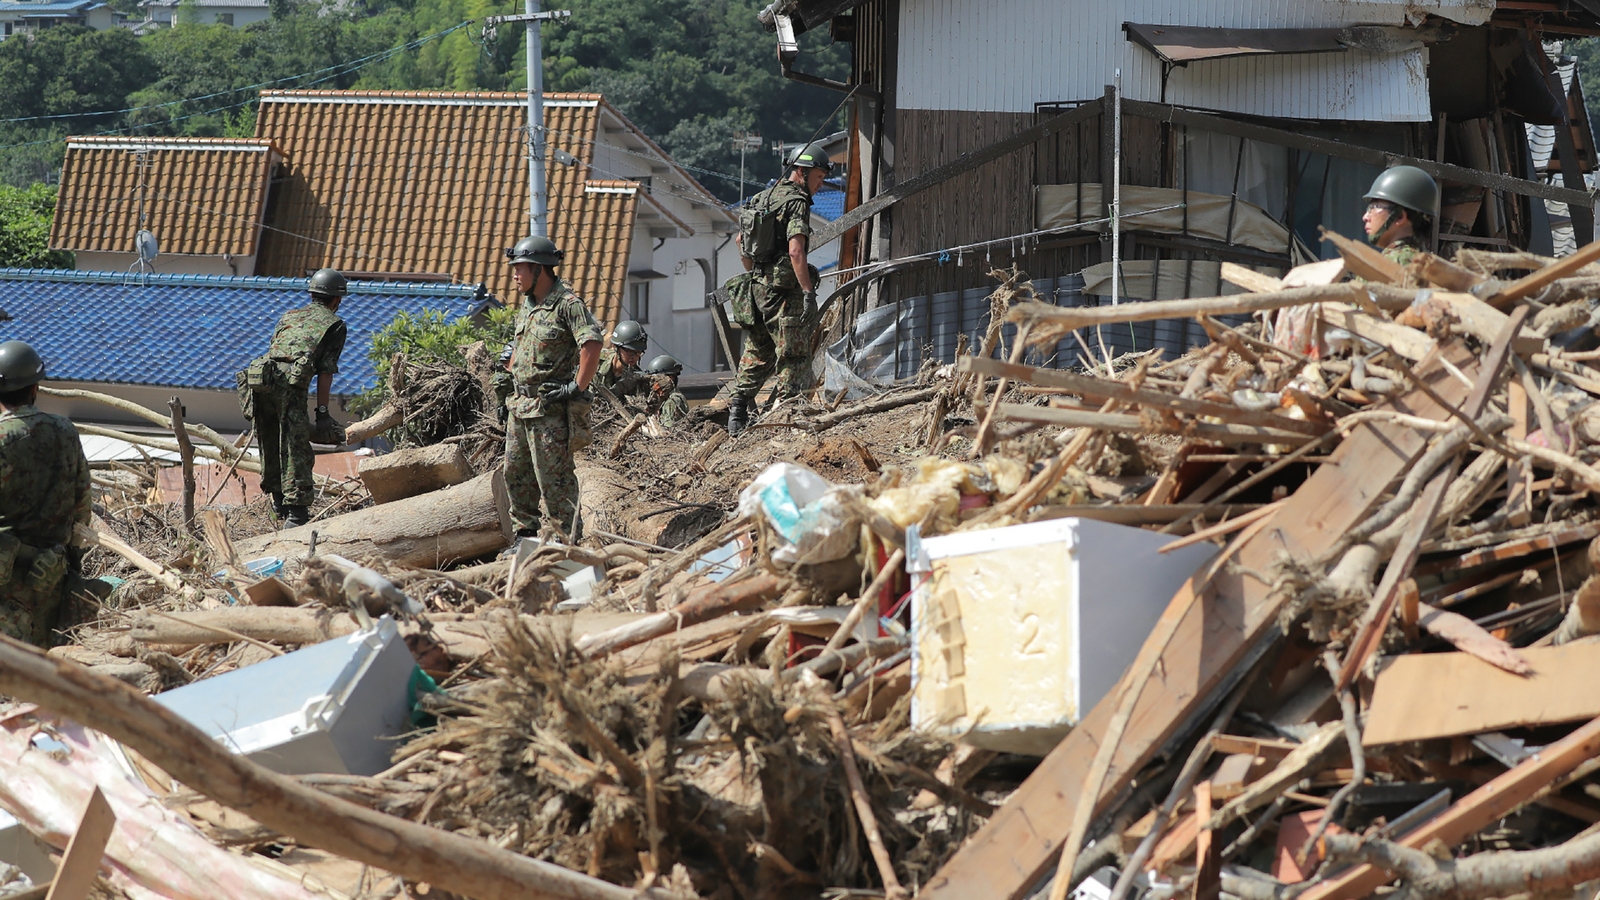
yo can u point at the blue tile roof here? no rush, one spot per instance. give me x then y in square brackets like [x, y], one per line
[191, 330]
[828, 203]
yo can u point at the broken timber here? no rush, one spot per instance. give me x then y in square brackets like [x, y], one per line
[1215, 640]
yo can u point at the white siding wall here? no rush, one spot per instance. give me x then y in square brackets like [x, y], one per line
[1005, 57]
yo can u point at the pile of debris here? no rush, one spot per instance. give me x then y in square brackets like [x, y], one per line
[1296, 614]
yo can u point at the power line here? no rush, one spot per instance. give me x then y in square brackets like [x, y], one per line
[335, 70]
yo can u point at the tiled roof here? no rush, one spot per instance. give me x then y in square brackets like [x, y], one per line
[63, 8]
[436, 182]
[191, 331]
[201, 195]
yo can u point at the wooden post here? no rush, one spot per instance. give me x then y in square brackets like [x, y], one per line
[1519, 477]
[1207, 852]
[186, 454]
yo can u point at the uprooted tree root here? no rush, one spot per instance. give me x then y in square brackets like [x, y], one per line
[573, 762]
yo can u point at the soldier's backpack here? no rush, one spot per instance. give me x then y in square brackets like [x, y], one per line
[739, 293]
[758, 229]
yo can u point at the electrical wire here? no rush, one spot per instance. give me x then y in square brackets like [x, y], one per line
[342, 69]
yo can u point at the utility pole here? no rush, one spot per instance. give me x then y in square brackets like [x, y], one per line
[537, 219]
[742, 142]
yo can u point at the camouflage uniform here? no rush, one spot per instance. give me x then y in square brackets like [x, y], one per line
[617, 376]
[780, 340]
[308, 342]
[538, 455]
[44, 491]
[1403, 251]
[674, 410]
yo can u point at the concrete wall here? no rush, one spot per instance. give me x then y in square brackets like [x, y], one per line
[166, 264]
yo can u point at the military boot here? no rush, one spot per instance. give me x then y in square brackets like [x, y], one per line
[738, 415]
[294, 516]
[278, 510]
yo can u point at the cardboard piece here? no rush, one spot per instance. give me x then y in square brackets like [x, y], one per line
[1434, 695]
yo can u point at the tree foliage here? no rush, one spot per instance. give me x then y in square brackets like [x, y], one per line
[25, 228]
[688, 73]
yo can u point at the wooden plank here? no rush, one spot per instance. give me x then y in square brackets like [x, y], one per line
[1533, 281]
[1402, 339]
[1476, 810]
[1222, 434]
[1525, 546]
[81, 866]
[1250, 279]
[936, 176]
[1364, 261]
[1175, 115]
[1101, 389]
[1466, 696]
[1215, 638]
[1207, 850]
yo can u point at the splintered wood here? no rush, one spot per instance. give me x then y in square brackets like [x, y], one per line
[747, 681]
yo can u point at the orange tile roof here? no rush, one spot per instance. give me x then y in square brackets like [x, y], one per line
[200, 195]
[436, 182]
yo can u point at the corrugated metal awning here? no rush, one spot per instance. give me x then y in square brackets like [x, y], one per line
[1180, 45]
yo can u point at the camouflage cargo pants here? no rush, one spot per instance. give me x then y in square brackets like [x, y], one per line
[539, 465]
[778, 345]
[283, 431]
[30, 601]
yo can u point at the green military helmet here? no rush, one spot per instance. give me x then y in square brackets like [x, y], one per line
[329, 283]
[664, 365]
[629, 335]
[812, 156]
[1407, 187]
[20, 366]
[541, 251]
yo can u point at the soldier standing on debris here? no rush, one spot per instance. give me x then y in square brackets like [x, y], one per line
[554, 357]
[619, 363]
[44, 492]
[1399, 212]
[673, 405]
[777, 302]
[307, 342]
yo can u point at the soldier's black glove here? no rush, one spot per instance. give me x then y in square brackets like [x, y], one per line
[556, 393]
[326, 430]
[811, 299]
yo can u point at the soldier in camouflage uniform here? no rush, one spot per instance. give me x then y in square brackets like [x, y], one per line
[619, 363]
[554, 357]
[307, 342]
[1400, 212]
[783, 290]
[671, 406]
[44, 492]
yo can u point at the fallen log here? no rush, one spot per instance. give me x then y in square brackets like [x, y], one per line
[427, 531]
[704, 603]
[274, 624]
[384, 419]
[612, 503]
[413, 471]
[868, 407]
[1049, 322]
[473, 868]
[203, 432]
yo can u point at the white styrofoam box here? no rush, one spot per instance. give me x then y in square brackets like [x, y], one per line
[334, 707]
[1018, 632]
[18, 847]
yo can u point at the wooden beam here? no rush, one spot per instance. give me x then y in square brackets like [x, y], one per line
[1179, 116]
[1072, 418]
[1102, 389]
[1067, 318]
[1218, 638]
[1535, 280]
[935, 176]
[1476, 810]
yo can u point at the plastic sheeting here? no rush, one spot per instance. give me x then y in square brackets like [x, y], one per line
[1210, 216]
[153, 852]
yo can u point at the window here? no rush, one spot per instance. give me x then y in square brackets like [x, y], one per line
[639, 302]
[225, 19]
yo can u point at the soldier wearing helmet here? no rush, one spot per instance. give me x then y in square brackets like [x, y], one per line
[781, 314]
[1400, 210]
[554, 356]
[619, 363]
[44, 492]
[670, 405]
[305, 346]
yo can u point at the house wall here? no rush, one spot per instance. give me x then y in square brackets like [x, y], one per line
[1006, 57]
[166, 264]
